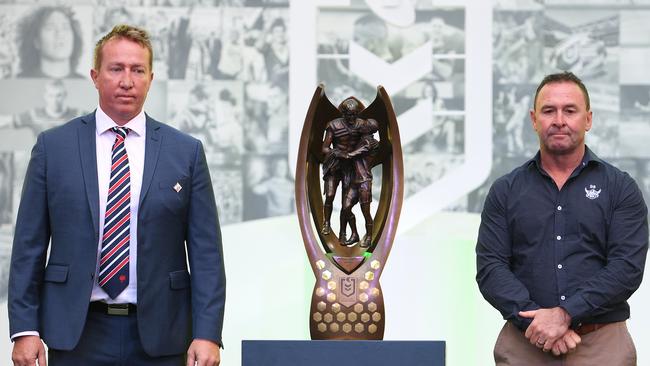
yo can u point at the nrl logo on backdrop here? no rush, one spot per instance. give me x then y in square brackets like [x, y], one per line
[592, 193]
[417, 60]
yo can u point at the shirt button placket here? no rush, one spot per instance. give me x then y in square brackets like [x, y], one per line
[559, 219]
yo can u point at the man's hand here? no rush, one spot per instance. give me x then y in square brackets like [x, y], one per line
[203, 352]
[548, 326]
[28, 349]
[567, 343]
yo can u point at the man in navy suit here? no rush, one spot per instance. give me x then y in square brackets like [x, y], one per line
[122, 203]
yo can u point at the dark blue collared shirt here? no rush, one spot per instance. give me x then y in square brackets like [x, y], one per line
[582, 248]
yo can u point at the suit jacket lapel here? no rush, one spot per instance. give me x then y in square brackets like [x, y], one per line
[151, 153]
[87, 140]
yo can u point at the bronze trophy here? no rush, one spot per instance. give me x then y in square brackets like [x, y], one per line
[339, 147]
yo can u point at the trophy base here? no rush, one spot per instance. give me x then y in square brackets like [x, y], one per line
[347, 308]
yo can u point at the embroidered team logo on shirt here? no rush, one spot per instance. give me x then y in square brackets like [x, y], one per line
[592, 193]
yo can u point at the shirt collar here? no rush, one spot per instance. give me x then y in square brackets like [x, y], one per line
[587, 159]
[104, 123]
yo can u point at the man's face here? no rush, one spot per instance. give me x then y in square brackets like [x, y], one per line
[278, 34]
[123, 79]
[54, 97]
[56, 39]
[561, 118]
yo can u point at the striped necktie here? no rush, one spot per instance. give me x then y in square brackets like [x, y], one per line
[114, 257]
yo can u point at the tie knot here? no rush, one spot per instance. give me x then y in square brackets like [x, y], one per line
[122, 131]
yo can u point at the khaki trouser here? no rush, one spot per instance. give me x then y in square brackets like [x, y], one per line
[611, 345]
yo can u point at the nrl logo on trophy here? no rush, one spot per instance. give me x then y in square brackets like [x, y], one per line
[339, 147]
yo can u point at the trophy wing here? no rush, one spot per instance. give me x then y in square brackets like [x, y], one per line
[381, 110]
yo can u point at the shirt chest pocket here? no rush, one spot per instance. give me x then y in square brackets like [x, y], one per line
[588, 220]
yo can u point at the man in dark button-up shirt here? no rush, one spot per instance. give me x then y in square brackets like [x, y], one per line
[562, 243]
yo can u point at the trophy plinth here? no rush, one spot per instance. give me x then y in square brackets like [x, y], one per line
[338, 149]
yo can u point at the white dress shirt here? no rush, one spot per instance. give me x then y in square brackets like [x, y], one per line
[134, 144]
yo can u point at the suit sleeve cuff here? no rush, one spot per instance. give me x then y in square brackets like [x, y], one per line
[26, 333]
[218, 342]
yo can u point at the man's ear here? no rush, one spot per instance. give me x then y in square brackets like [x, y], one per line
[93, 76]
[532, 119]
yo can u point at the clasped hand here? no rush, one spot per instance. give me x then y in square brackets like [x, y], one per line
[550, 331]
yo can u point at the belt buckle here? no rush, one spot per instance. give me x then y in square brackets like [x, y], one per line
[118, 309]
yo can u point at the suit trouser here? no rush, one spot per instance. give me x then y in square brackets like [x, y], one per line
[110, 340]
[610, 345]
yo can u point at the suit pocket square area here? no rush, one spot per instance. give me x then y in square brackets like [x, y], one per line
[56, 273]
[179, 280]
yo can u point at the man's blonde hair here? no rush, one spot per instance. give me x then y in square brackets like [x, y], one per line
[124, 31]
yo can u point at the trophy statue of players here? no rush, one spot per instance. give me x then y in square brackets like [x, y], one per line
[339, 146]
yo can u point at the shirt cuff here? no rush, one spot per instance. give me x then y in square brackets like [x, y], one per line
[577, 308]
[522, 323]
[26, 333]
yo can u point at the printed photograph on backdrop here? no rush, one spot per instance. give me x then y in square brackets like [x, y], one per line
[518, 4]
[501, 165]
[573, 3]
[266, 125]
[7, 177]
[6, 185]
[435, 153]
[44, 103]
[513, 134]
[5, 259]
[49, 41]
[603, 138]
[227, 185]
[211, 112]
[211, 43]
[584, 41]
[644, 179]
[356, 31]
[636, 135]
[635, 27]
[268, 187]
[186, 3]
[635, 102]
[518, 46]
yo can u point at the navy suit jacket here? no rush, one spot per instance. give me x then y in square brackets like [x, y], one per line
[60, 207]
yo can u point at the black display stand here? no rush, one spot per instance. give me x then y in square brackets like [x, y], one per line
[343, 353]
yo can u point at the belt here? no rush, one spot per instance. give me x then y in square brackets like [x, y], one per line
[583, 329]
[112, 309]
